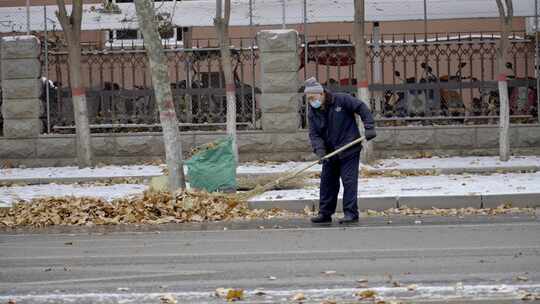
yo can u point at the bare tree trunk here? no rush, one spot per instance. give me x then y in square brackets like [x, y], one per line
[506, 14]
[222, 29]
[72, 31]
[163, 93]
[360, 49]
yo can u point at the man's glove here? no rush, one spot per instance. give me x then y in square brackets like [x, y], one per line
[370, 134]
[321, 153]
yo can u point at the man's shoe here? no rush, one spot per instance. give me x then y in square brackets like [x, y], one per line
[348, 220]
[320, 219]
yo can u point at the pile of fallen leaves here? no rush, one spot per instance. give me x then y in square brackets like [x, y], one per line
[150, 208]
[404, 210]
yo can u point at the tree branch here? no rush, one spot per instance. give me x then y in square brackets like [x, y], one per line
[502, 13]
[76, 14]
[510, 8]
[61, 14]
[227, 12]
[358, 11]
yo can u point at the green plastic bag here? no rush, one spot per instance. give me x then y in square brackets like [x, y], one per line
[214, 168]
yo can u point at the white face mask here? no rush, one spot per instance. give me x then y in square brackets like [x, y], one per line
[315, 103]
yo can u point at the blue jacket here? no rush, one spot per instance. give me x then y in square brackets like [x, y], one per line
[335, 126]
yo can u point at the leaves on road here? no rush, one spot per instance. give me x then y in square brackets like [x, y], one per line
[366, 294]
[230, 294]
[149, 208]
[235, 295]
[404, 210]
[168, 299]
[259, 292]
[530, 297]
[522, 278]
[329, 272]
[412, 287]
[299, 297]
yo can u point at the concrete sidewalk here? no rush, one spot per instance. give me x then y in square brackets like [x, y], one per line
[376, 193]
[425, 192]
[451, 165]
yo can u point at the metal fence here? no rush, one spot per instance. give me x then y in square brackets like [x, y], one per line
[120, 95]
[415, 79]
[429, 79]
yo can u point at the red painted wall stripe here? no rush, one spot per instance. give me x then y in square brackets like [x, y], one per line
[230, 88]
[362, 84]
[167, 114]
[80, 91]
[168, 104]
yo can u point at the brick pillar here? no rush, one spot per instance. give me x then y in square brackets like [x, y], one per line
[21, 86]
[279, 79]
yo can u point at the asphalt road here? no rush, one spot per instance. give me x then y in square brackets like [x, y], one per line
[496, 259]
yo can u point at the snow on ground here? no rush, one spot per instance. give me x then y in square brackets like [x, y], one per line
[458, 162]
[9, 195]
[463, 293]
[433, 163]
[442, 185]
[73, 172]
[466, 184]
[414, 186]
[7, 175]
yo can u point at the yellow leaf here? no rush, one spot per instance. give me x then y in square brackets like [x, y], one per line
[235, 295]
[366, 294]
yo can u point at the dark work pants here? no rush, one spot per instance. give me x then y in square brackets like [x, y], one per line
[347, 169]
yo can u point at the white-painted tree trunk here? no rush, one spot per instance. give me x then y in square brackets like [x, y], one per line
[360, 48]
[71, 25]
[504, 121]
[222, 29]
[163, 93]
[505, 17]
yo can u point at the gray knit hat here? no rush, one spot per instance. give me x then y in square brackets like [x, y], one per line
[312, 86]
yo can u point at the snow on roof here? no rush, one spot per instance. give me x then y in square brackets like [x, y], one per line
[265, 12]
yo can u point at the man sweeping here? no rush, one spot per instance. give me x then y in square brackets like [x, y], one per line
[332, 125]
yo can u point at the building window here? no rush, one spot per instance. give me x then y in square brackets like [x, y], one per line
[129, 38]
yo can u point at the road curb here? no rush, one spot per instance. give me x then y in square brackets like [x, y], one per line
[421, 202]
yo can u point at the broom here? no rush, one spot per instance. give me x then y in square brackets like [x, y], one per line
[294, 173]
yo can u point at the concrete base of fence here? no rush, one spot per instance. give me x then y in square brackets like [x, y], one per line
[125, 148]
